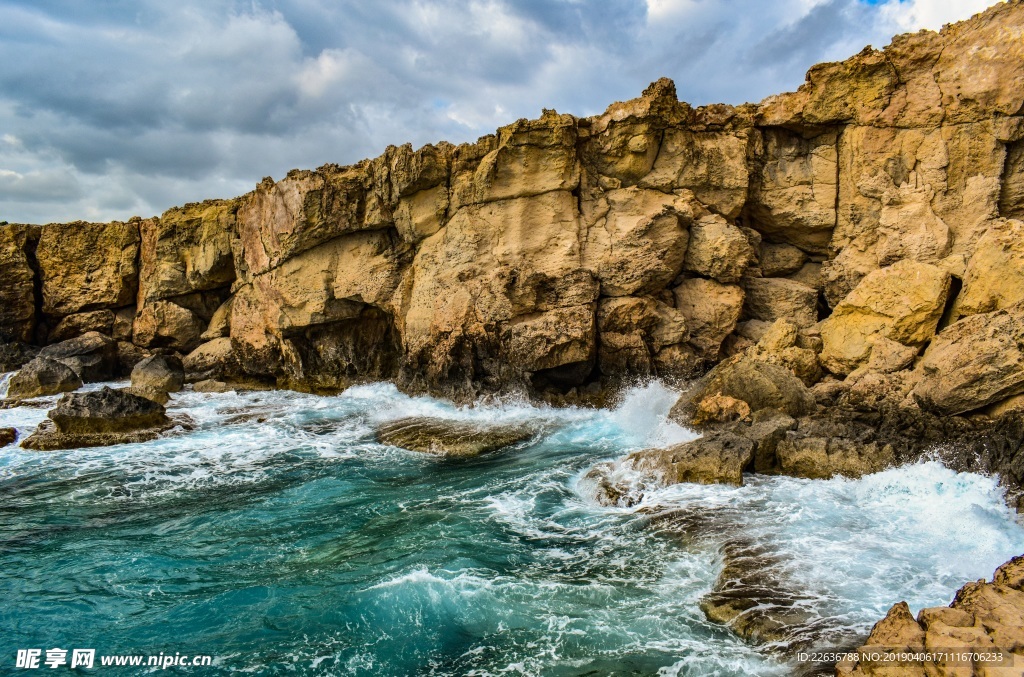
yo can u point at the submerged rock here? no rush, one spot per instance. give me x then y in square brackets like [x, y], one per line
[43, 376]
[99, 418]
[451, 438]
[8, 436]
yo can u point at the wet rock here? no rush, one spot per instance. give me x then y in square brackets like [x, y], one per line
[43, 376]
[825, 457]
[974, 362]
[93, 356]
[8, 436]
[613, 484]
[984, 617]
[719, 457]
[760, 384]
[99, 418]
[451, 438]
[150, 393]
[211, 386]
[767, 428]
[159, 372]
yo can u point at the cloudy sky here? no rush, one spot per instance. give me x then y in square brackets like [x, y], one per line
[116, 108]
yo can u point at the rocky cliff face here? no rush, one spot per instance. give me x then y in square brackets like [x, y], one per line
[876, 209]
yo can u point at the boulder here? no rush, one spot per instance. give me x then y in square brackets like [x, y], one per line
[159, 372]
[825, 457]
[75, 325]
[902, 303]
[780, 260]
[165, 324]
[8, 436]
[632, 331]
[710, 310]
[43, 376]
[213, 359]
[99, 418]
[984, 618]
[150, 393]
[774, 298]
[720, 409]
[220, 323]
[719, 457]
[211, 386]
[974, 362]
[93, 356]
[778, 345]
[451, 438]
[760, 384]
[717, 249]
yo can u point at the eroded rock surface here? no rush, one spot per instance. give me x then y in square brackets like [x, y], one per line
[445, 437]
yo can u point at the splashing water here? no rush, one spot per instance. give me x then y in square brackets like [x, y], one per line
[279, 535]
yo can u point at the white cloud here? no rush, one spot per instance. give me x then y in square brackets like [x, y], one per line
[911, 15]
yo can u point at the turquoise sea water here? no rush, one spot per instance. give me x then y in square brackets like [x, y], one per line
[280, 538]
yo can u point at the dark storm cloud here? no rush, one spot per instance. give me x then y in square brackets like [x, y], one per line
[113, 108]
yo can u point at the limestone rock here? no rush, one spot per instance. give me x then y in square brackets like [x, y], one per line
[902, 303]
[984, 618]
[759, 384]
[213, 359]
[93, 356]
[824, 457]
[710, 310]
[88, 266]
[995, 272]
[211, 386]
[8, 436]
[75, 325]
[718, 457]
[187, 249]
[165, 324]
[774, 298]
[973, 362]
[781, 260]
[632, 331]
[720, 409]
[150, 393]
[15, 354]
[451, 438]
[717, 249]
[99, 418]
[220, 323]
[778, 345]
[43, 376]
[17, 295]
[159, 372]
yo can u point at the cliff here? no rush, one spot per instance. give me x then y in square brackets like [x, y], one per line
[876, 208]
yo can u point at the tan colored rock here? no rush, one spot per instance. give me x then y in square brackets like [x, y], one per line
[42, 376]
[187, 249]
[793, 194]
[760, 384]
[17, 295]
[555, 338]
[720, 409]
[717, 249]
[80, 323]
[775, 298]
[93, 356]
[973, 363]
[457, 439]
[88, 266]
[984, 618]
[636, 240]
[781, 260]
[718, 457]
[710, 310]
[165, 324]
[220, 323]
[902, 303]
[825, 457]
[778, 345]
[995, 272]
[213, 359]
